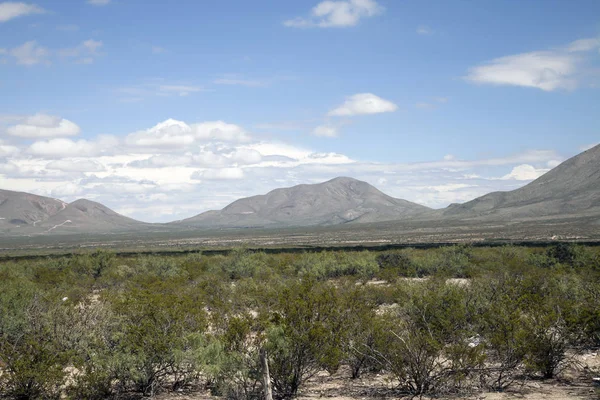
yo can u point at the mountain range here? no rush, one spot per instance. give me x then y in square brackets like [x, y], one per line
[572, 189]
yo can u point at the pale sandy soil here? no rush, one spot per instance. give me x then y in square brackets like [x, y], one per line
[573, 384]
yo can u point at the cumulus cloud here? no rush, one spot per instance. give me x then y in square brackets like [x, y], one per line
[325, 131]
[30, 53]
[76, 166]
[154, 177]
[67, 190]
[363, 103]
[337, 14]
[58, 148]
[162, 161]
[7, 150]
[172, 134]
[245, 156]
[10, 10]
[44, 126]
[524, 172]
[219, 174]
[219, 130]
[547, 70]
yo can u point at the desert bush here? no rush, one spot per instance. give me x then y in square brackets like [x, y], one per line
[34, 359]
[241, 263]
[304, 336]
[503, 334]
[397, 263]
[161, 324]
[428, 347]
[238, 374]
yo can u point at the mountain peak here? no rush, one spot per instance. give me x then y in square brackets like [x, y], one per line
[339, 200]
[571, 187]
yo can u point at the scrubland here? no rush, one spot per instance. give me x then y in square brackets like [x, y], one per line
[450, 322]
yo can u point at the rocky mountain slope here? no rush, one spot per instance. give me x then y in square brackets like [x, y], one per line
[19, 209]
[338, 201]
[24, 214]
[572, 188]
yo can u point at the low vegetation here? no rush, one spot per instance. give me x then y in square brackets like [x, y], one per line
[440, 321]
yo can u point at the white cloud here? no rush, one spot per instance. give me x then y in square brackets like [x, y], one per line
[67, 190]
[219, 130]
[245, 156]
[44, 126]
[156, 178]
[449, 187]
[98, 2]
[6, 150]
[59, 148]
[170, 133]
[583, 45]
[325, 131]
[524, 172]
[337, 14]
[84, 53]
[162, 161]
[424, 30]
[546, 70]
[76, 166]
[363, 103]
[219, 174]
[30, 53]
[158, 50]
[10, 10]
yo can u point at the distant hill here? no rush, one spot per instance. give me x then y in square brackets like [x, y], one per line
[24, 214]
[572, 188]
[88, 216]
[338, 201]
[25, 209]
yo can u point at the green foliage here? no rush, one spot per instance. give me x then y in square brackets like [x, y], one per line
[305, 335]
[428, 341]
[101, 326]
[31, 350]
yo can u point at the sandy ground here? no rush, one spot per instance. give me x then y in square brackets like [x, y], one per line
[573, 384]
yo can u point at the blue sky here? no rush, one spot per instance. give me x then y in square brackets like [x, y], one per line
[162, 110]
